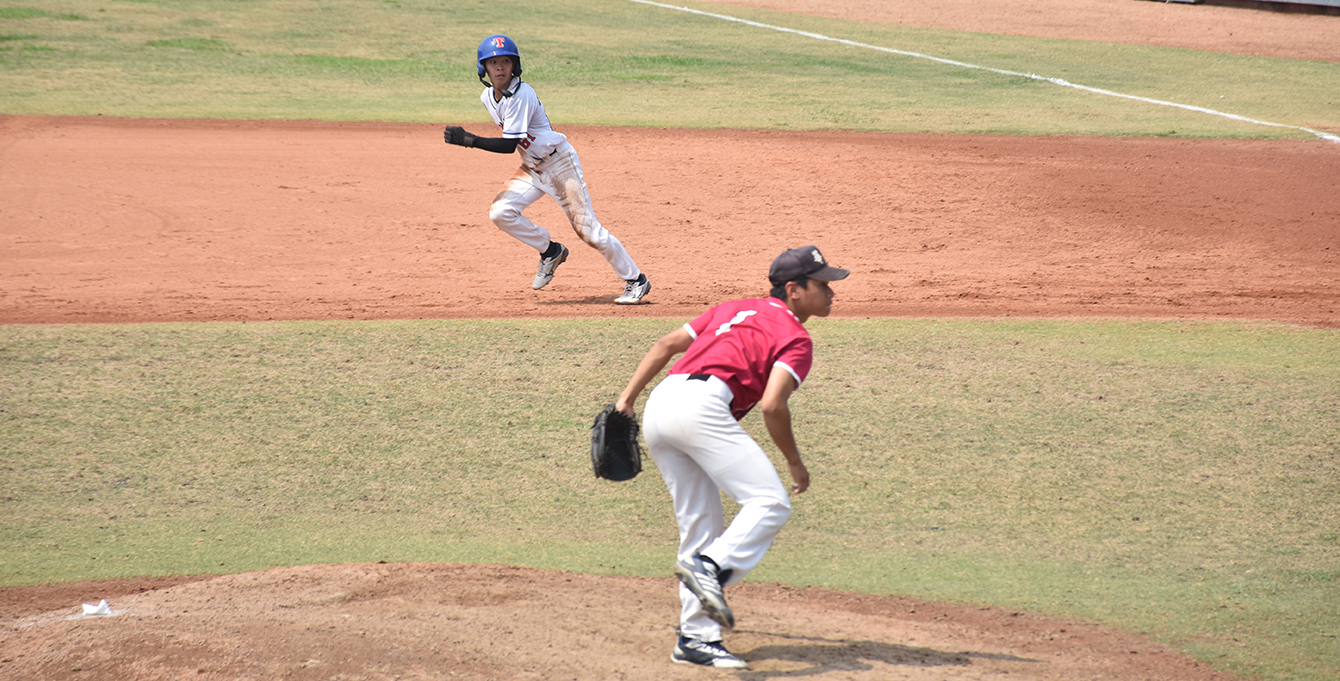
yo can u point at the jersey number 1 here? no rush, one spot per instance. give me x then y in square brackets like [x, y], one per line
[739, 317]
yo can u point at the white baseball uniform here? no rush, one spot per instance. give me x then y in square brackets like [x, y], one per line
[549, 165]
[691, 422]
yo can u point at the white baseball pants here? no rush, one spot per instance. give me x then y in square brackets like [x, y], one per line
[702, 450]
[559, 175]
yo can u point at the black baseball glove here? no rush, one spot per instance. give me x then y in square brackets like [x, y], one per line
[615, 453]
[454, 134]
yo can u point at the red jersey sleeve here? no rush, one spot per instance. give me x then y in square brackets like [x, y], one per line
[797, 357]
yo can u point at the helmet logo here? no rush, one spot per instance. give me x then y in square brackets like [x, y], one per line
[500, 42]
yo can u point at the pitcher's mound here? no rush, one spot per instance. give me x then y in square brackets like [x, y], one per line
[450, 621]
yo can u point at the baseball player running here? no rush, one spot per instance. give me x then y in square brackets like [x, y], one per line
[736, 355]
[549, 165]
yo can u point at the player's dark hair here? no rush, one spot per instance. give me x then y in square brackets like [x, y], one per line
[779, 290]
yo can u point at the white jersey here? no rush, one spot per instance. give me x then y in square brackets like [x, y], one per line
[522, 118]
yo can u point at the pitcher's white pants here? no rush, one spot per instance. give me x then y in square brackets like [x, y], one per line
[560, 176]
[702, 450]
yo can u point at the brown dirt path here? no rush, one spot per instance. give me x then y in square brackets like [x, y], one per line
[113, 220]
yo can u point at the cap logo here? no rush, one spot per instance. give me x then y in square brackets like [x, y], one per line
[817, 257]
[500, 42]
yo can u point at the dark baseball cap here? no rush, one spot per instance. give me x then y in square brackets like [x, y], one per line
[806, 261]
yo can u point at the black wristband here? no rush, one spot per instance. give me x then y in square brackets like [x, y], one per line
[497, 145]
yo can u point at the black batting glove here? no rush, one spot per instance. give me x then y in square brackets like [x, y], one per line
[457, 135]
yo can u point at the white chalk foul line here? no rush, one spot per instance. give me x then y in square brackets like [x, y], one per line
[1032, 76]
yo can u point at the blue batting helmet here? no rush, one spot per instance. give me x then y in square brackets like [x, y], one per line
[498, 46]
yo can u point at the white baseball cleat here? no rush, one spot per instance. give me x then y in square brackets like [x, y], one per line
[634, 290]
[545, 273]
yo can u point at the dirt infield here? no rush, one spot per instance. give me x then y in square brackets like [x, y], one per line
[140, 220]
[433, 621]
[112, 220]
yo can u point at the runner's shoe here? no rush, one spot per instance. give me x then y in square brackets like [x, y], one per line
[545, 273]
[634, 290]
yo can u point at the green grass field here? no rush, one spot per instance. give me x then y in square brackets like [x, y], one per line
[1177, 479]
[614, 62]
[1169, 478]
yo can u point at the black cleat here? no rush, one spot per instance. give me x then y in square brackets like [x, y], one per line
[705, 653]
[703, 578]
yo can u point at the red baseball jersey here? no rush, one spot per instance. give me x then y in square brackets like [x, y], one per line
[741, 341]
